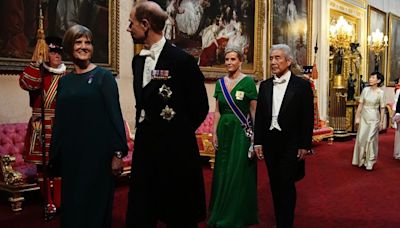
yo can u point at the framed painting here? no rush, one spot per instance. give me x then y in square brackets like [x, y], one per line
[376, 20]
[204, 28]
[20, 19]
[291, 24]
[393, 70]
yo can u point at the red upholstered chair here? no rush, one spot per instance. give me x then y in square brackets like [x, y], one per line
[16, 176]
[323, 132]
[204, 138]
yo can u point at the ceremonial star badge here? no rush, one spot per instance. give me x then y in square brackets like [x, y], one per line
[167, 113]
[165, 92]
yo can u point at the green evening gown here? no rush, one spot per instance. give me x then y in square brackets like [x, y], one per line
[234, 189]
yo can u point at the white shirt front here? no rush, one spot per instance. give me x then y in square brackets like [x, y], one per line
[151, 60]
[279, 89]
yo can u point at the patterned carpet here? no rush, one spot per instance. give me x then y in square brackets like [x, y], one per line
[333, 194]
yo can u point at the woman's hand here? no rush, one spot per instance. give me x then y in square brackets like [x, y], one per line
[215, 141]
[117, 165]
[357, 122]
[380, 126]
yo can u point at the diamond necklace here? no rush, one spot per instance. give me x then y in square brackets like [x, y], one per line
[235, 80]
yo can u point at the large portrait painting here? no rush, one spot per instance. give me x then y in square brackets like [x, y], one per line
[204, 28]
[20, 19]
[393, 71]
[290, 23]
[376, 20]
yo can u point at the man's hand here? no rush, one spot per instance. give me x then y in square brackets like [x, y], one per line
[301, 154]
[396, 118]
[117, 166]
[259, 152]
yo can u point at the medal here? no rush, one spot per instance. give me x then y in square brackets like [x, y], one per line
[165, 92]
[160, 75]
[167, 113]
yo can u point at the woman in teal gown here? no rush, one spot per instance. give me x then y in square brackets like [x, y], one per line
[234, 188]
[88, 140]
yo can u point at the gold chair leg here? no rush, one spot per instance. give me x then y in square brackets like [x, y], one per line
[16, 202]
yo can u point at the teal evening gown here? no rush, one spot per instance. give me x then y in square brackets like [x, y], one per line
[234, 189]
[88, 129]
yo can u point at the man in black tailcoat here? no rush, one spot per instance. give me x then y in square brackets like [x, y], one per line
[171, 102]
[283, 131]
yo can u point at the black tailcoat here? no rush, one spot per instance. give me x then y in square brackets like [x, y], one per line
[295, 118]
[167, 180]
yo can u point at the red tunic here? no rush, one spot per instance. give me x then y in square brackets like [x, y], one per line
[30, 80]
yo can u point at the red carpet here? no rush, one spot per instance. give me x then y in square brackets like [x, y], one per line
[333, 194]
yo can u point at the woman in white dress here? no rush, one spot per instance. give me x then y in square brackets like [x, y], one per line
[209, 34]
[240, 39]
[369, 117]
[188, 22]
[170, 27]
[291, 18]
[396, 153]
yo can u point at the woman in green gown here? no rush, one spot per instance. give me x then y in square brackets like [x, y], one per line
[234, 188]
[88, 140]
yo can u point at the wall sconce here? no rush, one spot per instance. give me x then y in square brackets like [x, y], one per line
[377, 43]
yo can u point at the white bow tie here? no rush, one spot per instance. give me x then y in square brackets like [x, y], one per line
[148, 53]
[278, 81]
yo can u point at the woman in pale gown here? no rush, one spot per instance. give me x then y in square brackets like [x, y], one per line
[240, 39]
[396, 153]
[209, 34]
[170, 27]
[188, 22]
[291, 18]
[369, 118]
[231, 28]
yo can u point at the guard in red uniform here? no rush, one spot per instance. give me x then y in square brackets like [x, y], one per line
[31, 81]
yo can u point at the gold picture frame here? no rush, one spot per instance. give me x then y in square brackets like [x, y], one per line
[251, 18]
[102, 19]
[377, 19]
[393, 69]
[294, 29]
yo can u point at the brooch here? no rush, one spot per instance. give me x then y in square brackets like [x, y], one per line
[239, 95]
[165, 92]
[167, 113]
[90, 79]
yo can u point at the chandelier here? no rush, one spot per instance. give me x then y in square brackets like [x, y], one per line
[341, 33]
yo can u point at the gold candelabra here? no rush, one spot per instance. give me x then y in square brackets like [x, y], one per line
[377, 42]
[341, 33]
[340, 38]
